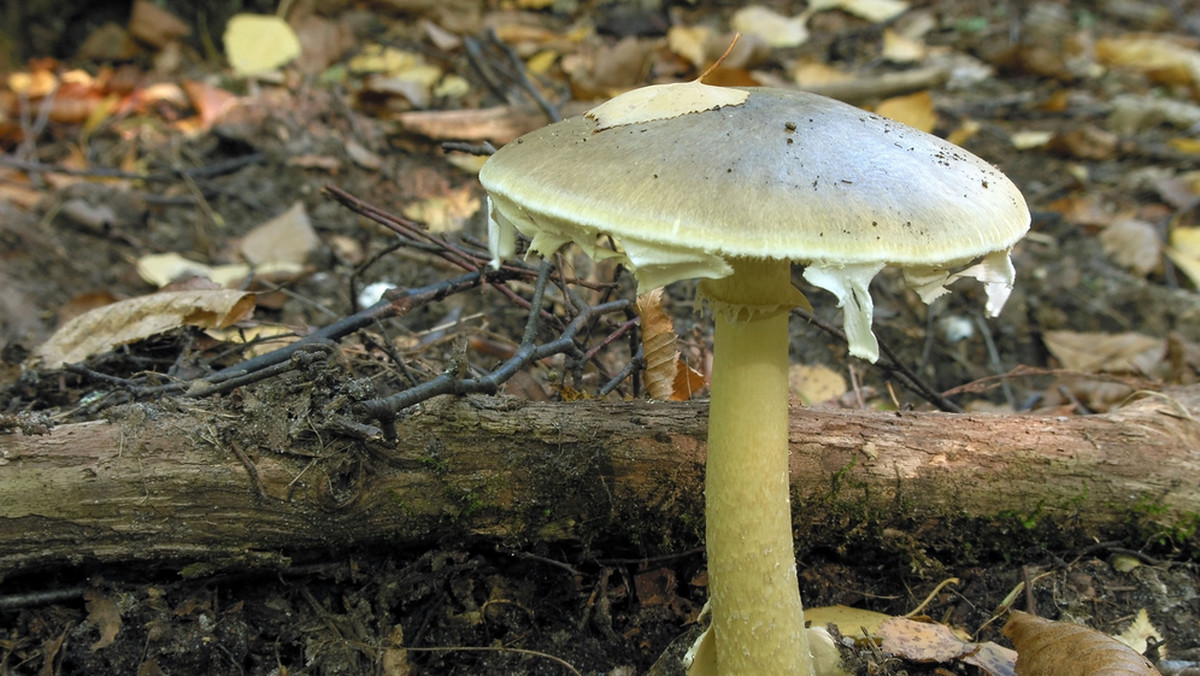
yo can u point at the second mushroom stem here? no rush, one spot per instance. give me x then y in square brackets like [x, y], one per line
[758, 621]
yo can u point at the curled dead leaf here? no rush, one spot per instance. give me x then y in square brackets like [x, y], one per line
[128, 321]
[666, 374]
[1048, 648]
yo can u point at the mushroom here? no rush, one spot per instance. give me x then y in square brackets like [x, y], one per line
[731, 186]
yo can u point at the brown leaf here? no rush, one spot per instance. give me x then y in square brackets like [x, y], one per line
[1090, 352]
[688, 381]
[655, 587]
[286, 238]
[211, 103]
[104, 615]
[155, 26]
[1047, 648]
[930, 642]
[667, 376]
[1164, 58]
[921, 641]
[1088, 142]
[658, 345]
[127, 321]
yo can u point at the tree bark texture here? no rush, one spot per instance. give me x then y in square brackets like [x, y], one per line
[204, 487]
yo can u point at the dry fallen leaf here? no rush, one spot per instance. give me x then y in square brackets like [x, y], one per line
[163, 269]
[211, 103]
[1163, 58]
[771, 27]
[815, 383]
[850, 621]
[1027, 139]
[1047, 648]
[929, 642]
[154, 25]
[875, 11]
[1133, 244]
[446, 212]
[691, 43]
[1139, 632]
[287, 238]
[921, 641]
[135, 319]
[1086, 142]
[262, 338]
[1107, 352]
[915, 110]
[667, 376]
[104, 615]
[899, 48]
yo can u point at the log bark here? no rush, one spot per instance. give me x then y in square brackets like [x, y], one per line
[201, 487]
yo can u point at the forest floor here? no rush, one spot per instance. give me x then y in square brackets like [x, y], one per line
[1091, 109]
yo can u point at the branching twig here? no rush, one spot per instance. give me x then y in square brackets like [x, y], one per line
[450, 381]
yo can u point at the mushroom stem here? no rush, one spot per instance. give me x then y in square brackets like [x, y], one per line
[758, 619]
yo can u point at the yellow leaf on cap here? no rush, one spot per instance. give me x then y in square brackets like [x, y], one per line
[662, 102]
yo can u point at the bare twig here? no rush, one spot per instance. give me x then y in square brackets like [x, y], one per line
[450, 381]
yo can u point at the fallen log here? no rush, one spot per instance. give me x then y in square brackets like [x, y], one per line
[204, 487]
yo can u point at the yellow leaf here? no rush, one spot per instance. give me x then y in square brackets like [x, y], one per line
[964, 132]
[660, 102]
[898, 48]
[541, 62]
[444, 213]
[263, 338]
[257, 43]
[915, 110]
[1185, 144]
[815, 383]
[809, 73]
[1139, 632]
[690, 43]
[1184, 252]
[849, 621]
[1160, 57]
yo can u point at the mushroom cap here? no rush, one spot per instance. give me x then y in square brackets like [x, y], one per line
[781, 174]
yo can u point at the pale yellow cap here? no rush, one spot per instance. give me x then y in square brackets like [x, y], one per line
[776, 174]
